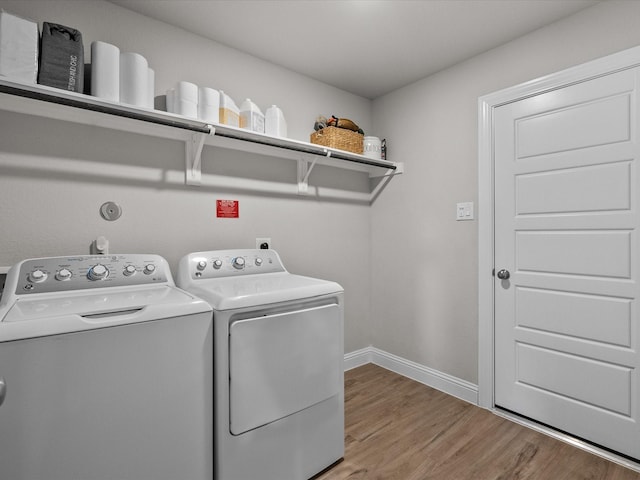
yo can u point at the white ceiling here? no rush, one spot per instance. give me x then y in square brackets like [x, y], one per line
[367, 47]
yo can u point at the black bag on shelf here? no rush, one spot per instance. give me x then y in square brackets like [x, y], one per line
[61, 58]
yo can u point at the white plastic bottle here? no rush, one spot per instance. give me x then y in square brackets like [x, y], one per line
[251, 117]
[229, 112]
[274, 123]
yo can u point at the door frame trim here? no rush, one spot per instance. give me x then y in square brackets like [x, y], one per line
[487, 104]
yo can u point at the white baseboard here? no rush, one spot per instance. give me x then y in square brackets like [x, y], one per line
[444, 382]
[358, 358]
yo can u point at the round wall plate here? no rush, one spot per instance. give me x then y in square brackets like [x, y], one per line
[110, 211]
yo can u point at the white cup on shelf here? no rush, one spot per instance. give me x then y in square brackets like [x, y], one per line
[372, 148]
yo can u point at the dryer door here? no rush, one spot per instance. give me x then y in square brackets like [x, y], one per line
[281, 364]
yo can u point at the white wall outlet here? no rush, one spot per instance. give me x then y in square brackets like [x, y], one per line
[464, 211]
[263, 243]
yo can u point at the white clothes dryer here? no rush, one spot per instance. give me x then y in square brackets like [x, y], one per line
[278, 364]
[105, 372]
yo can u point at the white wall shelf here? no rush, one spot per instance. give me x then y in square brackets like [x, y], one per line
[59, 104]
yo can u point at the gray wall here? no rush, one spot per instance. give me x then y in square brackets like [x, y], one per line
[55, 175]
[409, 269]
[425, 264]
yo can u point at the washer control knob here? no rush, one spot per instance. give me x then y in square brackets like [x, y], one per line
[217, 264]
[238, 263]
[37, 276]
[98, 272]
[149, 269]
[63, 274]
[258, 261]
[129, 270]
[201, 265]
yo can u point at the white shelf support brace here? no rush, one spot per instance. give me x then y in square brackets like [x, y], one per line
[399, 170]
[193, 156]
[304, 170]
[385, 178]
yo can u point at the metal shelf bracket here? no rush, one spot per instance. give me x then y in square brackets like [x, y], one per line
[390, 172]
[304, 170]
[384, 180]
[193, 156]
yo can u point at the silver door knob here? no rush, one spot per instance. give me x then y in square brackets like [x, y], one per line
[3, 390]
[503, 274]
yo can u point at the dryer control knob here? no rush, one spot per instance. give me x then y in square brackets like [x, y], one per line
[258, 261]
[149, 269]
[129, 270]
[217, 264]
[37, 276]
[201, 265]
[98, 272]
[238, 263]
[63, 274]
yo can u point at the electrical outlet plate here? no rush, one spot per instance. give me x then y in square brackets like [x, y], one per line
[464, 211]
[260, 241]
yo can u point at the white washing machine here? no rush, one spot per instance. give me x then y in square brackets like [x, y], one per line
[105, 372]
[278, 364]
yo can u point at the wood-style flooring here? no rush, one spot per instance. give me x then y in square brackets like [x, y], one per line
[399, 429]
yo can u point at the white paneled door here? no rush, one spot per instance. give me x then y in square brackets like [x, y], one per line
[566, 236]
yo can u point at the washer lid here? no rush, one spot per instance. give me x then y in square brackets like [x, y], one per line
[56, 313]
[229, 293]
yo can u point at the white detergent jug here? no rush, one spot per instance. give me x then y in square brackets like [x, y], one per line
[229, 112]
[275, 124]
[251, 117]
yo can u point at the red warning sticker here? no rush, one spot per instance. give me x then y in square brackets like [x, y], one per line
[227, 208]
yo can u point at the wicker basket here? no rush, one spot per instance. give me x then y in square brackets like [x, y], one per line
[339, 138]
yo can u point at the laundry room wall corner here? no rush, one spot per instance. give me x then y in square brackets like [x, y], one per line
[425, 274]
